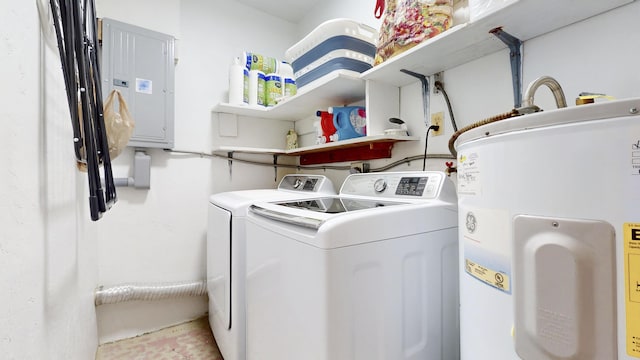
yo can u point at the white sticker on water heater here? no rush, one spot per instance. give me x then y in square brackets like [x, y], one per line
[635, 157]
[487, 245]
[469, 174]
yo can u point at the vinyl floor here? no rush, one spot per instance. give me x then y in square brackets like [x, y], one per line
[189, 341]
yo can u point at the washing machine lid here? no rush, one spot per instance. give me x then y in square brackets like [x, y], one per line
[362, 192]
[563, 116]
[336, 205]
[357, 224]
[313, 213]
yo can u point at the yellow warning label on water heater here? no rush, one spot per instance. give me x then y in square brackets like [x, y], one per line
[494, 278]
[632, 286]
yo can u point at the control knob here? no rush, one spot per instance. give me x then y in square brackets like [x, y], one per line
[380, 185]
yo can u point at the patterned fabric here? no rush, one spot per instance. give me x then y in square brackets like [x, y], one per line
[407, 23]
[189, 341]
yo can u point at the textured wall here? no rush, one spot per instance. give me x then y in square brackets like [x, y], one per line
[48, 264]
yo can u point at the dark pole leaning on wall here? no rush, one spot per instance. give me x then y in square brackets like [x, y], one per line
[76, 30]
[96, 77]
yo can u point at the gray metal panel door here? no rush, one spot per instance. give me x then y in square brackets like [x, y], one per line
[139, 63]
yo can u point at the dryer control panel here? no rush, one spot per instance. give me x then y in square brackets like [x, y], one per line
[307, 183]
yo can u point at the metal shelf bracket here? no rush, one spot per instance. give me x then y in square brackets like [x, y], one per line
[424, 81]
[515, 55]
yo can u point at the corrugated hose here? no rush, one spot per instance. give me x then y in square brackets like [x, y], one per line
[148, 292]
[503, 116]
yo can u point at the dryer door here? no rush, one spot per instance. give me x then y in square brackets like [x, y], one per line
[219, 264]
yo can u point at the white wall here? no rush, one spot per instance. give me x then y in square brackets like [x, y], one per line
[159, 235]
[605, 62]
[359, 10]
[48, 245]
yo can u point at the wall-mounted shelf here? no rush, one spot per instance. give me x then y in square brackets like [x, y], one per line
[524, 19]
[337, 88]
[362, 148]
[248, 150]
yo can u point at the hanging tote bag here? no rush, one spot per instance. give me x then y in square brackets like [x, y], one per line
[119, 126]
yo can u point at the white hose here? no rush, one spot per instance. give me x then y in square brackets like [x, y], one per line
[148, 292]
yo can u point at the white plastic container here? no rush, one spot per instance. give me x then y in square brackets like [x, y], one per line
[548, 208]
[254, 61]
[245, 87]
[273, 89]
[460, 12]
[482, 8]
[285, 69]
[236, 82]
[256, 88]
[289, 87]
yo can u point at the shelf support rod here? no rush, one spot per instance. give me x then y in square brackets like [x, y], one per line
[230, 161]
[515, 56]
[425, 92]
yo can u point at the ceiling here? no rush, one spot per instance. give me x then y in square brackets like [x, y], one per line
[290, 10]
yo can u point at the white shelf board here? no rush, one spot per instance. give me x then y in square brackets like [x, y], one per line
[318, 148]
[248, 150]
[334, 89]
[349, 143]
[523, 19]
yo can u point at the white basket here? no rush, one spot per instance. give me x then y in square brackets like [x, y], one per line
[327, 30]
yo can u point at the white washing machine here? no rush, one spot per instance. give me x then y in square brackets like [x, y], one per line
[369, 274]
[549, 207]
[226, 254]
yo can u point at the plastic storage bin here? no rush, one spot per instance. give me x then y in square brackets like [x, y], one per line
[338, 44]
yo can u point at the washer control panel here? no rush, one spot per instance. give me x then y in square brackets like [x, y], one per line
[413, 186]
[419, 184]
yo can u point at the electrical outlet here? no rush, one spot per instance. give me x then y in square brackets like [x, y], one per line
[359, 167]
[439, 76]
[437, 119]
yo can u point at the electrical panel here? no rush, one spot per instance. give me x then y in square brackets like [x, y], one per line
[140, 64]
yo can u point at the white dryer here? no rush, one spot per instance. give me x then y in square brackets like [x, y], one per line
[369, 274]
[226, 254]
